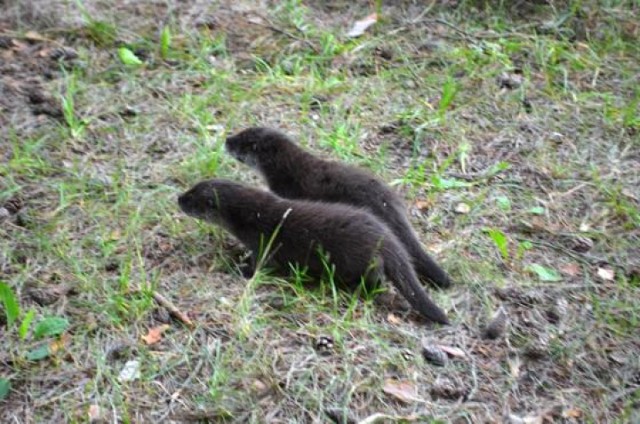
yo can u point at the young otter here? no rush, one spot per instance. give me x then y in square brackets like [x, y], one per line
[293, 173]
[356, 243]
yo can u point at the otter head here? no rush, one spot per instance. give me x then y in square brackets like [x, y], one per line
[206, 199]
[257, 146]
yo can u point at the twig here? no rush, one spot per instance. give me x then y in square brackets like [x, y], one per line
[173, 310]
[469, 36]
[178, 392]
[464, 33]
[582, 257]
[30, 37]
[272, 27]
[623, 394]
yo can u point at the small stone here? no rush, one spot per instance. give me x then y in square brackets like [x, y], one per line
[462, 208]
[409, 84]
[434, 355]
[510, 80]
[407, 355]
[63, 53]
[130, 371]
[581, 244]
[14, 205]
[497, 326]
[444, 388]
[162, 315]
[4, 214]
[606, 274]
[558, 310]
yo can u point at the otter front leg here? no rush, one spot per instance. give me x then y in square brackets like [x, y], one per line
[248, 266]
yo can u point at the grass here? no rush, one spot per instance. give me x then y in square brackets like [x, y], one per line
[541, 165]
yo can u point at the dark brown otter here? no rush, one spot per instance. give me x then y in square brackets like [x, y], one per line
[294, 173]
[356, 243]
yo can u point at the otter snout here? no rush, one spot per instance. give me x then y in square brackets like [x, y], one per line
[182, 200]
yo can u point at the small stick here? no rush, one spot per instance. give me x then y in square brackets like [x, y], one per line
[30, 37]
[272, 27]
[173, 310]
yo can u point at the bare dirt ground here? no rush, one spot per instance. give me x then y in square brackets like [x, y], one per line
[512, 130]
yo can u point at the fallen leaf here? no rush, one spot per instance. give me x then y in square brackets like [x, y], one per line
[529, 419]
[39, 353]
[572, 413]
[402, 390]
[462, 208]
[59, 344]
[359, 27]
[514, 366]
[50, 326]
[155, 334]
[94, 413]
[5, 388]
[422, 205]
[606, 274]
[570, 269]
[394, 319]
[34, 36]
[544, 273]
[384, 418]
[452, 351]
[130, 371]
[128, 57]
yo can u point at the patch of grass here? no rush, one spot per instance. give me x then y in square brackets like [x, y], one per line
[544, 163]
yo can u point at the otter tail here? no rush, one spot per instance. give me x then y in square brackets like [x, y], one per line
[401, 273]
[427, 268]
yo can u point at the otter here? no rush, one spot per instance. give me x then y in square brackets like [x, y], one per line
[358, 245]
[294, 173]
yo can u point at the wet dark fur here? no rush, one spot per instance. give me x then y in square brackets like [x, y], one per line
[356, 242]
[293, 173]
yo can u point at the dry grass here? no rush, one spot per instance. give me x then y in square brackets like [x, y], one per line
[529, 116]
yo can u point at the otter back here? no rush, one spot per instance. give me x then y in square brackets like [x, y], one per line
[294, 173]
[356, 243]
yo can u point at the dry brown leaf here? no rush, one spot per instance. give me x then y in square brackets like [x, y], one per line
[452, 351]
[422, 205]
[359, 27]
[33, 36]
[94, 413]
[606, 274]
[570, 269]
[59, 344]
[394, 319]
[572, 413]
[155, 334]
[404, 391]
